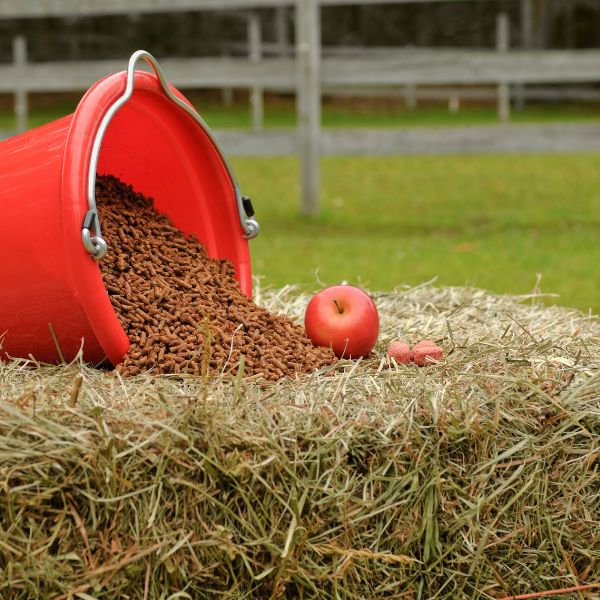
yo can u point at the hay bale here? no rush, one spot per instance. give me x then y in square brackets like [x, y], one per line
[476, 477]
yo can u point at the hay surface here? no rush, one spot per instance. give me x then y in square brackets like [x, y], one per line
[477, 477]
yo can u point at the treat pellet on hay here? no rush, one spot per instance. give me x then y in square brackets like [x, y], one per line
[183, 311]
[400, 352]
[425, 344]
[427, 354]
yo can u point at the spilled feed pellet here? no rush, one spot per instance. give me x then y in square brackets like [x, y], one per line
[183, 311]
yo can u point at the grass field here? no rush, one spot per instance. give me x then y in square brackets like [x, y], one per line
[363, 115]
[281, 113]
[489, 221]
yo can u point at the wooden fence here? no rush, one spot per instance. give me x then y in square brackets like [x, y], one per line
[14, 9]
[312, 69]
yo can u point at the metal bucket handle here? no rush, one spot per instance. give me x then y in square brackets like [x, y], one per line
[95, 243]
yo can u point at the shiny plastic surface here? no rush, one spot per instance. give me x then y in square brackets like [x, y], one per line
[46, 276]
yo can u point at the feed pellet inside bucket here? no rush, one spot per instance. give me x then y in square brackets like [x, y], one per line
[183, 311]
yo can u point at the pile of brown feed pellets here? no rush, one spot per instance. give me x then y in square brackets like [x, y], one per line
[183, 311]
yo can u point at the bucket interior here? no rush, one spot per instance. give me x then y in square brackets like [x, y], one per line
[163, 153]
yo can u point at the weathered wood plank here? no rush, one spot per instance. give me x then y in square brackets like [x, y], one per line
[502, 46]
[280, 142]
[13, 9]
[255, 55]
[464, 67]
[282, 46]
[552, 93]
[308, 99]
[492, 139]
[501, 139]
[450, 67]
[181, 72]
[21, 101]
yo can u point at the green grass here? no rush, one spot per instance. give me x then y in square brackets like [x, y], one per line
[336, 116]
[490, 221]
[37, 117]
[282, 114]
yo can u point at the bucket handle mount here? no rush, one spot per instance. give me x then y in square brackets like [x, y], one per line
[94, 243]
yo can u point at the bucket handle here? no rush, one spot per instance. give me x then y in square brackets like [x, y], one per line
[95, 243]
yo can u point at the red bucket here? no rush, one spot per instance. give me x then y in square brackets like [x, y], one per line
[149, 136]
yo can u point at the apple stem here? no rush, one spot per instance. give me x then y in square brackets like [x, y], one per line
[340, 309]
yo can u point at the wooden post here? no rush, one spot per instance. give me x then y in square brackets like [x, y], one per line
[282, 37]
[526, 24]
[526, 44]
[227, 92]
[308, 101]
[570, 25]
[255, 56]
[502, 45]
[542, 24]
[21, 107]
[454, 103]
[410, 96]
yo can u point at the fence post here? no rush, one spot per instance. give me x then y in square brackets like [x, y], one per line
[227, 92]
[282, 37]
[570, 25]
[502, 45]
[410, 96]
[255, 56]
[526, 44]
[20, 102]
[308, 101]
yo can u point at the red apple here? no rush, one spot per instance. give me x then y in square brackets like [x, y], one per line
[344, 318]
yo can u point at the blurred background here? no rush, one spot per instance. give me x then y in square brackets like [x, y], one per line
[384, 143]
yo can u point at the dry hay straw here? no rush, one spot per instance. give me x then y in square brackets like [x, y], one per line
[477, 477]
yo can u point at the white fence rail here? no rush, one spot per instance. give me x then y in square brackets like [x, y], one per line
[484, 139]
[396, 68]
[17, 9]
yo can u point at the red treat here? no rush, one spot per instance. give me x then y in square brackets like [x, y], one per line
[400, 352]
[425, 344]
[426, 354]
